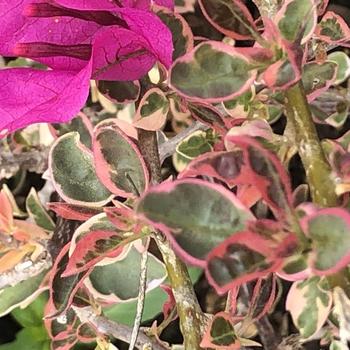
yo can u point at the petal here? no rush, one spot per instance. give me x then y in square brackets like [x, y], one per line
[170, 4]
[153, 30]
[103, 4]
[120, 54]
[31, 96]
[17, 28]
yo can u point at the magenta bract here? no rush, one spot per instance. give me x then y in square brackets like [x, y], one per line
[77, 41]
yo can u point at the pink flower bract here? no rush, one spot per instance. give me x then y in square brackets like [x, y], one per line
[77, 40]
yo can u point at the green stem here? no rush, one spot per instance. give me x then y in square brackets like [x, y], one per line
[317, 168]
[192, 320]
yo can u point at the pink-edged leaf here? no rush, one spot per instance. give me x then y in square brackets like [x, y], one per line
[333, 29]
[77, 185]
[309, 303]
[281, 75]
[81, 124]
[208, 115]
[62, 334]
[220, 333]
[296, 20]
[317, 78]
[55, 96]
[295, 268]
[6, 212]
[119, 91]
[192, 146]
[329, 230]
[260, 167]
[121, 216]
[119, 163]
[213, 72]
[168, 4]
[181, 32]
[87, 333]
[243, 257]
[264, 296]
[195, 215]
[152, 111]
[223, 165]
[183, 6]
[230, 17]
[63, 289]
[321, 7]
[73, 212]
[91, 249]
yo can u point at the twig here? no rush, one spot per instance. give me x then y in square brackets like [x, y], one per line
[24, 271]
[33, 160]
[167, 148]
[318, 171]
[114, 329]
[141, 296]
[192, 320]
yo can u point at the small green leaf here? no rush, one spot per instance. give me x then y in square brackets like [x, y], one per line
[37, 212]
[21, 293]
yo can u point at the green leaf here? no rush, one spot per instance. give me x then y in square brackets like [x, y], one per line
[12, 297]
[32, 338]
[32, 315]
[309, 303]
[73, 173]
[329, 230]
[37, 212]
[154, 301]
[213, 72]
[119, 281]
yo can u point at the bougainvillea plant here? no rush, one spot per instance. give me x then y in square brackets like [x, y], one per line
[181, 138]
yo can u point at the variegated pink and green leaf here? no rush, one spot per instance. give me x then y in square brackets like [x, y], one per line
[63, 289]
[230, 17]
[73, 211]
[309, 303]
[220, 333]
[73, 173]
[181, 31]
[212, 72]
[152, 111]
[296, 20]
[118, 162]
[333, 29]
[329, 231]
[317, 78]
[195, 215]
[259, 167]
[241, 258]
[119, 91]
